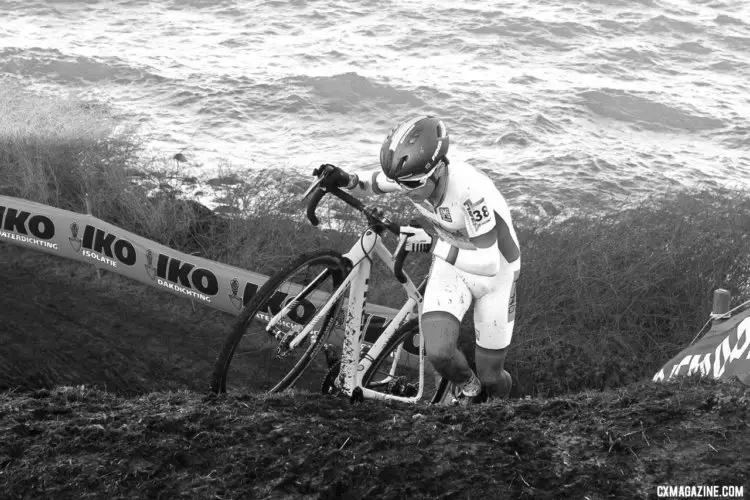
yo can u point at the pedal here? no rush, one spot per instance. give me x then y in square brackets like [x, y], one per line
[357, 396]
[399, 387]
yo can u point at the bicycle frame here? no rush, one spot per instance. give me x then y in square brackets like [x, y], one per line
[352, 368]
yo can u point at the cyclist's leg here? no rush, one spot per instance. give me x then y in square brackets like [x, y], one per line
[491, 372]
[494, 317]
[446, 300]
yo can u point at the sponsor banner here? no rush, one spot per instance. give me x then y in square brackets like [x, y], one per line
[32, 225]
[85, 238]
[718, 356]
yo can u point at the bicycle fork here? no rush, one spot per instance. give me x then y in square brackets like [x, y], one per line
[352, 343]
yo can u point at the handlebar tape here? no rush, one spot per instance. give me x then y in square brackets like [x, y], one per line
[312, 205]
[398, 266]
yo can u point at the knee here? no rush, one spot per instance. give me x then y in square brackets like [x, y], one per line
[441, 331]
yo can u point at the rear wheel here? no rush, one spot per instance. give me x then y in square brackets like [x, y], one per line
[396, 369]
[254, 359]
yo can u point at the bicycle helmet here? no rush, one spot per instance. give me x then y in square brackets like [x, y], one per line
[414, 147]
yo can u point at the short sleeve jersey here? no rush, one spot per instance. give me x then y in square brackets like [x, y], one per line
[471, 206]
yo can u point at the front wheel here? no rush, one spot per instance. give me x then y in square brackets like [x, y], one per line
[255, 358]
[396, 369]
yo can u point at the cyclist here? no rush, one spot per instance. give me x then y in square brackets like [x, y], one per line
[477, 256]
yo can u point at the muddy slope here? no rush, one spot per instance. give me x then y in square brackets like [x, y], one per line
[76, 443]
[62, 325]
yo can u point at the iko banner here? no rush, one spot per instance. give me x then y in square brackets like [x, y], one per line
[90, 240]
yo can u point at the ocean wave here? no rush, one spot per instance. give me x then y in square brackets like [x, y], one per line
[281, 3]
[517, 137]
[666, 24]
[347, 91]
[73, 2]
[524, 25]
[723, 19]
[134, 3]
[520, 135]
[613, 27]
[622, 3]
[728, 65]
[524, 33]
[547, 125]
[737, 137]
[628, 107]
[228, 101]
[693, 48]
[51, 64]
[741, 43]
[525, 80]
[42, 6]
[640, 56]
[198, 4]
[235, 42]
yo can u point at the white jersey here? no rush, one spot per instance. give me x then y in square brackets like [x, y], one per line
[470, 207]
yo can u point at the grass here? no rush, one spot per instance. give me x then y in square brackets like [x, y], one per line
[604, 299]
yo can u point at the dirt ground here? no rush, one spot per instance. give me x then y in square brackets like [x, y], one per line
[81, 443]
[147, 429]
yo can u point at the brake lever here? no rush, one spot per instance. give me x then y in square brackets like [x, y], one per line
[312, 187]
[401, 243]
[399, 258]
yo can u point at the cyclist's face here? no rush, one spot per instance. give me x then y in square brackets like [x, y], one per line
[431, 188]
[422, 193]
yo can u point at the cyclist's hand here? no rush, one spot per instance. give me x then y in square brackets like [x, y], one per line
[416, 239]
[332, 175]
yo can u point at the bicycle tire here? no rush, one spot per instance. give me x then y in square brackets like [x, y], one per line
[265, 299]
[434, 389]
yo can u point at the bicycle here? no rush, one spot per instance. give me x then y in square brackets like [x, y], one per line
[295, 311]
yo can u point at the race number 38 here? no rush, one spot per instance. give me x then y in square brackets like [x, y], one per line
[479, 215]
[478, 212]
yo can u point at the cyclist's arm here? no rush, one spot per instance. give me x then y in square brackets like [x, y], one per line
[485, 240]
[372, 182]
[487, 231]
[488, 244]
[484, 261]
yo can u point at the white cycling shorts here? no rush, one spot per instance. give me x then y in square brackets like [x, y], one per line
[452, 290]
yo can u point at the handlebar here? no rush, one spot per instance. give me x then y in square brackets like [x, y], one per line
[312, 205]
[318, 191]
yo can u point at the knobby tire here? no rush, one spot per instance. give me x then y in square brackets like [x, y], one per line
[260, 302]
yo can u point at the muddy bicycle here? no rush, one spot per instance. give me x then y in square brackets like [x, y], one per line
[279, 334]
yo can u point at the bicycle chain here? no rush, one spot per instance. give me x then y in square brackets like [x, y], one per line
[328, 387]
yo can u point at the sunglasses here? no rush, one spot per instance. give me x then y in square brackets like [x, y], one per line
[415, 182]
